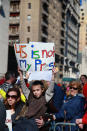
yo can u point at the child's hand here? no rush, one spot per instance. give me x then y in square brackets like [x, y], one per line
[20, 73]
[78, 121]
[54, 71]
[27, 75]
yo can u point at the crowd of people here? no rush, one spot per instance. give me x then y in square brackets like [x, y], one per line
[34, 105]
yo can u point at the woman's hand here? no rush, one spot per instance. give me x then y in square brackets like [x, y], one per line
[27, 75]
[78, 121]
[80, 126]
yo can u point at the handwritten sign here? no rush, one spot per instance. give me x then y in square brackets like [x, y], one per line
[35, 56]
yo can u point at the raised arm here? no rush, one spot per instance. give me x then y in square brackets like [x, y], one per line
[25, 90]
[50, 91]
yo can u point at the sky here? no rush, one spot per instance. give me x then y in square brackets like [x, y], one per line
[81, 1]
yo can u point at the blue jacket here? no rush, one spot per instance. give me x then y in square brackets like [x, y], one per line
[58, 97]
[74, 109]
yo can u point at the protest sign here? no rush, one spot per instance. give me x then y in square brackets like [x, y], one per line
[35, 56]
[40, 75]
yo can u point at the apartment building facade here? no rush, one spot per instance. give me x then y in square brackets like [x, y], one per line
[39, 20]
[71, 65]
[83, 37]
[83, 25]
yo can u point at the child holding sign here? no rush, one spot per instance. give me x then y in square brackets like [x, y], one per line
[36, 96]
[36, 99]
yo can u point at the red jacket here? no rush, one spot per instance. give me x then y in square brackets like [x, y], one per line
[84, 119]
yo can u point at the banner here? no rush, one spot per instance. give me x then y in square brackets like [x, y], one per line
[35, 56]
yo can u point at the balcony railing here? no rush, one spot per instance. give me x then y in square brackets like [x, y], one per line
[16, 10]
[14, 33]
[14, 20]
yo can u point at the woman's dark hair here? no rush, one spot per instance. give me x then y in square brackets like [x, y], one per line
[15, 90]
[18, 96]
[83, 76]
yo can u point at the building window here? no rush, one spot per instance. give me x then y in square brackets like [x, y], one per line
[28, 28]
[29, 17]
[81, 9]
[82, 14]
[28, 40]
[29, 5]
[82, 18]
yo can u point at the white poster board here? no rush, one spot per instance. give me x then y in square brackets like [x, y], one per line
[40, 75]
[35, 56]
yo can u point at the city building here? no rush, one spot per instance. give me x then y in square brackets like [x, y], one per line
[71, 65]
[4, 27]
[83, 25]
[83, 65]
[39, 21]
[83, 37]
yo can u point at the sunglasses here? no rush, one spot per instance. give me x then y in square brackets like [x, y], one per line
[73, 88]
[11, 96]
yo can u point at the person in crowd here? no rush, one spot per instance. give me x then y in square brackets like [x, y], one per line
[13, 102]
[37, 100]
[2, 80]
[67, 92]
[37, 95]
[83, 79]
[82, 122]
[9, 80]
[2, 116]
[73, 108]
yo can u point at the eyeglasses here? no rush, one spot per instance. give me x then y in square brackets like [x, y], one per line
[12, 96]
[73, 88]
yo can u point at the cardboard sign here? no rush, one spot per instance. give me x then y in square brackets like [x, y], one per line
[35, 56]
[40, 75]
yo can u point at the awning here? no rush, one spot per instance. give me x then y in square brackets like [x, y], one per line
[68, 79]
